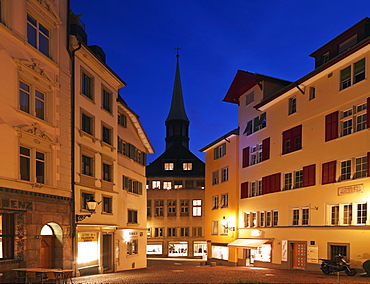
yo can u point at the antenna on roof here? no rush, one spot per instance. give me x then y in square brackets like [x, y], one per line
[177, 52]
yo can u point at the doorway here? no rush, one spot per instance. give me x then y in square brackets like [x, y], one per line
[47, 247]
[298, 255]
[107, 252]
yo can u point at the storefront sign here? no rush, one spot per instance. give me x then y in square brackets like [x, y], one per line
[350, 189]
[312, 254]
[87, 237]
[15, 204]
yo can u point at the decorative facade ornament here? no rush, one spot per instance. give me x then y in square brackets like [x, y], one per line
[49, 6]
[34, 67]
[34, 130]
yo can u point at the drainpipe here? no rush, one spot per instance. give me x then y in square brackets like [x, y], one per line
[73, 217]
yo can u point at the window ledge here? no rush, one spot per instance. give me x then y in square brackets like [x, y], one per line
[88, 135]
[105, 144]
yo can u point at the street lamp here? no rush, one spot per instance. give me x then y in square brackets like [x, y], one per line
[91, 206]
[225, 224]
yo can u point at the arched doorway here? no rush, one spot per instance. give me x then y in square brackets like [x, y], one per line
[47, 247]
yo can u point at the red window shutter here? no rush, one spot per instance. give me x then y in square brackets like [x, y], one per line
[246, 157]
[296, 138]
[287, 135]
[244, 190]
[266, 149]
[368, 117]
[275, 182]
[309, 173]
[266, 185]
[331, 126]
[328, 172]
[368, 164]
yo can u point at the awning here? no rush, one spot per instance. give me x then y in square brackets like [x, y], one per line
[247, 243]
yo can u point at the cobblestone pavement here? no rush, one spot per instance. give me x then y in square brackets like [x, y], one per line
[181, 271]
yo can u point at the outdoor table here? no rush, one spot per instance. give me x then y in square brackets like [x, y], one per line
[44, 274]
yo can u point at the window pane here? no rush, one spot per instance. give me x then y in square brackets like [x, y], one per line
[40, 105]
[24, 97]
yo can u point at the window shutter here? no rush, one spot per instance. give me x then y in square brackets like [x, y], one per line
[125, 182]
[328, 172]
[287, 135]
[331, 126]
[275, 182]
[246, 157]
[368, 117]
[266, 149]
[139, 188]
[266, 185]
[215, 153]
[368, 164]
[244, 190]
[309, 173]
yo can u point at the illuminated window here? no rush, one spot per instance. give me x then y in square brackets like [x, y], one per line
[132, 247]
[167, 185]
[178, 184]
[156, 184]
[6, 236]
[168, 166]
[187, 166]
[197, 207]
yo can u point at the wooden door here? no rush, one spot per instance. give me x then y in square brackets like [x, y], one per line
[47, 251]
[299, 255]
[108, 252]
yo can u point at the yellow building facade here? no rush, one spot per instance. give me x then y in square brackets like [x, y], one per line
[304, 159]
[222, 197]
[35, 129]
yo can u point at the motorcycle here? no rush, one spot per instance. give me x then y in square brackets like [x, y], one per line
[331, 266]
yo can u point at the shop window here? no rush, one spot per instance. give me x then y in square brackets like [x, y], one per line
[7, 236]
[38, 35]
[153, 248]
[220, 252]
[177, 249]
[32, 165]
[132, 247]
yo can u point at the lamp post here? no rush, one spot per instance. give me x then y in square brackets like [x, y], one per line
[91, 206]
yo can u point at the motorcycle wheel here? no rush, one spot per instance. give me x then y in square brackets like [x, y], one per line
[326, 270]
[351, 272]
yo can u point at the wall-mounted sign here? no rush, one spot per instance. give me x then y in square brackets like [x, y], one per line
[284, 250]
[87, 237]
[350, 189]
[312, 254]
[15, 204]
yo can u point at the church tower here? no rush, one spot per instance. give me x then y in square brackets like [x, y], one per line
[177, 122]
[175, 189]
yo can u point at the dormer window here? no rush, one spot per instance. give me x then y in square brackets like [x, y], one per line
[325, 57]
[347, 44]
[168, 166]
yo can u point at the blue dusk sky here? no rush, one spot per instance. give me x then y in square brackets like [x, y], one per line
[217, 38]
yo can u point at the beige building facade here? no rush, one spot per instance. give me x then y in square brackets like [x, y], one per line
[110, 155]
[35, 129]
[306, 196]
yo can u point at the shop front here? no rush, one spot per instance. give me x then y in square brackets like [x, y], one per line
[251, 250]
[35, 231]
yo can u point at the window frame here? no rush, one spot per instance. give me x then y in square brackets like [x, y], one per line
[348, 76]
[197, 207]
[40, 30]
[31, 99]
[107, 97]
[292, 105]
[34, 164]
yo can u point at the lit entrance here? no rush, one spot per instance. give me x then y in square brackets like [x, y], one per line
[298, 255]
[47, 247]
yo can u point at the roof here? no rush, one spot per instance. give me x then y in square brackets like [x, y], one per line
[224, 137]
[177, 110]
[244, 81]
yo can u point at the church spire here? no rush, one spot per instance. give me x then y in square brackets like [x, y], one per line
[177, 122]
